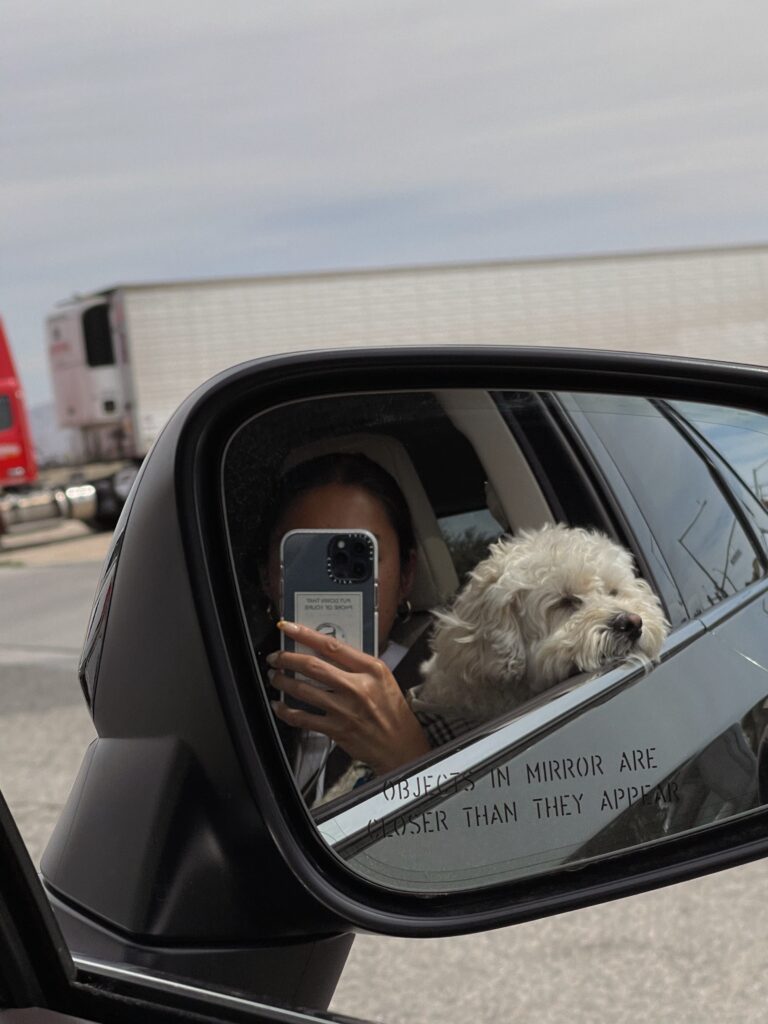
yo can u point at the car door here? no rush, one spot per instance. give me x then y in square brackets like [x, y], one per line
[709, 539]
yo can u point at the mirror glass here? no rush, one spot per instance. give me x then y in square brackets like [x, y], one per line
[533, 626]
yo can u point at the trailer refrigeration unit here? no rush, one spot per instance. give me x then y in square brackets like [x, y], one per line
[123, 359]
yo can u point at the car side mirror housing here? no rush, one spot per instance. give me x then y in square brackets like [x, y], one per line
[630, 766]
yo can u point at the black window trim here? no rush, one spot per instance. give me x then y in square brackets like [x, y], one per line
[530, 451]
[124, 980]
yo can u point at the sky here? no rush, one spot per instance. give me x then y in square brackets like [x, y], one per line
[173, 139]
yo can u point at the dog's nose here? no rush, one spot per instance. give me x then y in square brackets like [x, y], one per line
[629, 623]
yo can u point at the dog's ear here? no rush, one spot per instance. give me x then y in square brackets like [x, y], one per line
[500, 619]
[479, 660]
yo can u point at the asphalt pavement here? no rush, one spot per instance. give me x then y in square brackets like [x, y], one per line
[47, 581]
[688, 954]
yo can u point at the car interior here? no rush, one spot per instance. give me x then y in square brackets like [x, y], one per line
[472, 465]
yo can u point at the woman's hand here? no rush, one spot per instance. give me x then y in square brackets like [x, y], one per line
[366, 714]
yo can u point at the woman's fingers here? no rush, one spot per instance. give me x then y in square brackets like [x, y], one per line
[328, 647]
[341, 680]
[302, 719]
[311, 666]
[303, 691]
[327, 723]
[299, 719]
[366, 714]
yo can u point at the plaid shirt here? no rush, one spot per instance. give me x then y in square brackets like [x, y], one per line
[439, 725]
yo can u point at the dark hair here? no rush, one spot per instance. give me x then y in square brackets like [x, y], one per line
[349, 468]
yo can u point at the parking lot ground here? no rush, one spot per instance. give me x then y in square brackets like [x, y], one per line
[689, 954]
[48, 576]
[52, 542]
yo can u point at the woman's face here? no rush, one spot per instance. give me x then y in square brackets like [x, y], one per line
[348, 507]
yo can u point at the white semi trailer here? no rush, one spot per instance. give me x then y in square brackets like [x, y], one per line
[122, 359]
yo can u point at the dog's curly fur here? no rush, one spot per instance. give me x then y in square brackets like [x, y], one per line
[543, 606]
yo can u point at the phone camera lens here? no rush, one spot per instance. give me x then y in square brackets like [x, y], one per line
[358, 569]
[341, 561]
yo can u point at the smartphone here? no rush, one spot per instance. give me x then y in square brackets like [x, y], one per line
[329, 581]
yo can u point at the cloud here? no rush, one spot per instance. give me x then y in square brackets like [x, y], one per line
[187, 138]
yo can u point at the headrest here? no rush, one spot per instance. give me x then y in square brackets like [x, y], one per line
[436, 580]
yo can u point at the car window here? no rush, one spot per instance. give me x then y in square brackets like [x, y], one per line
[6, 417]
[696, 528]
[737, 443]
[739, 435]
[468, 536]
[567, 489]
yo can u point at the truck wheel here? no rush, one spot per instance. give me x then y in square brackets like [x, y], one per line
[108, 505]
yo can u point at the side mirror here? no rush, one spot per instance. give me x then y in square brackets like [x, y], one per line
[589, 698]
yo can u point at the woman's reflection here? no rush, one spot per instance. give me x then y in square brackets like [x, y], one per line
[367, 717]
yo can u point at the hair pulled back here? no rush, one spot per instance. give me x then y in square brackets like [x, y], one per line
[350, 469]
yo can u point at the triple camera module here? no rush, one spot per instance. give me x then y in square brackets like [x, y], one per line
[350, 558]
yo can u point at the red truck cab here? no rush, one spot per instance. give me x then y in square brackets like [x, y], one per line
[18, 466]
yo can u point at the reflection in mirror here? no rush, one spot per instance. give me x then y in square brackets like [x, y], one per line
[503, 632]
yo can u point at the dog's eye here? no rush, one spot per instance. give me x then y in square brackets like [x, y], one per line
[613, 593]
[570, 602]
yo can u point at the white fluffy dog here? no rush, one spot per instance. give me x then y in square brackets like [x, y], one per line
[543, 606]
